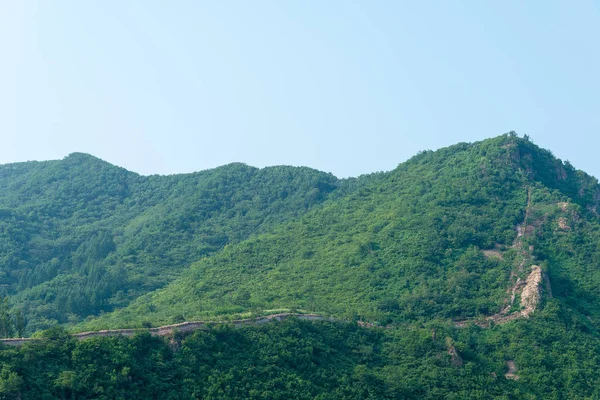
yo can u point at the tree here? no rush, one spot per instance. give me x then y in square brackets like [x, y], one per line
[10, 384]
[6, 323]
[19, 320]
[66, 381]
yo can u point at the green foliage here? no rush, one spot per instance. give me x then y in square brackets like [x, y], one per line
[405, 246]
[411, 249]
[314, 360]
[79, 236]
[399, 246]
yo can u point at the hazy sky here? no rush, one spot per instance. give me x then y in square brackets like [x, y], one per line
[347, 87]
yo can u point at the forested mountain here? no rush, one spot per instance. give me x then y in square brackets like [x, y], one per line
[80, 236]
[432, 239]
[473, 271]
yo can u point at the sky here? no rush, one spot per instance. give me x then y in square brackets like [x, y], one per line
[348, 87]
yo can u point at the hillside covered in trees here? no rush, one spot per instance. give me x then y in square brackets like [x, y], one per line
[80, 236]
[434, 238]
[436, 259]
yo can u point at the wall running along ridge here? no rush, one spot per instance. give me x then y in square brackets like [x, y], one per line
[171, 329]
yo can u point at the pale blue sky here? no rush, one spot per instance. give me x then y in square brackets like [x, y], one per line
[348, 87]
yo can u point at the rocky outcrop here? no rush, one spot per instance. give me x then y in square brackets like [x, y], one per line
[455, 358]
[530, 289]
[531, 294]
[512, 371]
[563, 224]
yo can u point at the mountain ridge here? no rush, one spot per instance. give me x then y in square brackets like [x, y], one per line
[479, 261]
[73, 208]
[474, 196]
[509, 169]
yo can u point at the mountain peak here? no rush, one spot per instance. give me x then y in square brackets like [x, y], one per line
[79, 157]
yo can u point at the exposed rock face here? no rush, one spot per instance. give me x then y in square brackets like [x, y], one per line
[512, 371]
[530, 296]
[563, 224]
[455, 358]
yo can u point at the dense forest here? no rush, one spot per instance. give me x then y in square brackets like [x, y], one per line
[405, 246]
[553, 358]
[80, 236]
[434, 259]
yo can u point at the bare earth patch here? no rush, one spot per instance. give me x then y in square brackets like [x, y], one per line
[563, 224]
[493, 254]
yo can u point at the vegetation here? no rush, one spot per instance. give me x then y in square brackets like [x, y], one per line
[410, 251]
[403, 246]
[80, 236]
[554, 358]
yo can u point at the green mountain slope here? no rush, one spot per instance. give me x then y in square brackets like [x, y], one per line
[81, 236]
[434, 259]
[432, 239]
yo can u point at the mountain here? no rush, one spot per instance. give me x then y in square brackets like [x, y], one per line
[80, 236]
[434, 238]
[465, 273]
